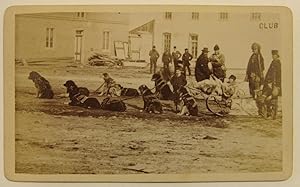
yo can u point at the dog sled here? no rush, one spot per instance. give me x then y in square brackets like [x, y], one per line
[218, 96]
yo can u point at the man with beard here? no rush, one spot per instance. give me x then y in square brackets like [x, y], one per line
[255, 69]
[202, 69]
[167, 59]
[175, 56]
[154, 55]
[186, 57]
[218, 63]
[267, 103]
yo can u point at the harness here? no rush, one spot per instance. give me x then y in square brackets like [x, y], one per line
[161, 84]
[81, 98]
[188, 97]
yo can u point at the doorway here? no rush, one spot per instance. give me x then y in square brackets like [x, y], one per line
[78, 46]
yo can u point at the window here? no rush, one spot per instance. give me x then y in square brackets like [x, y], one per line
[167, 41]
[195, 15]
[194, 44]
[106, 35]
[168, 15]
[49, 37]
[223, 16]
[255, 16]
[80, 14]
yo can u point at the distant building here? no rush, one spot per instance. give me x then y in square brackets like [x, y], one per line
[234, 32]
[69, 35]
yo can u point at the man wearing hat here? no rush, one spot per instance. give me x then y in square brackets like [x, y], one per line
[186, 57]
[255, 70]
[267, 103]
[202, 70]
[154, 55]
[175, 56]
[218, 63]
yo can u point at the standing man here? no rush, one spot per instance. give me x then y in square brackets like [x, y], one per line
[255, 70]
[154, 55]
[218, 63]
[175, 56]
[202, 70]
[166, 59]
[268, 103]
[186, 57]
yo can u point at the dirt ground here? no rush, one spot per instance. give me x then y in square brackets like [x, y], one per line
[54, 138]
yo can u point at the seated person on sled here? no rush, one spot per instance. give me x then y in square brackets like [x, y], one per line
[215, 85]
[108, 87]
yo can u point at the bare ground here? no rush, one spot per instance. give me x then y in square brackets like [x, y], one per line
[54, 138]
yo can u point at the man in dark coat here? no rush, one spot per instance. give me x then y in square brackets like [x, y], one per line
[267, 103]
[154, 55]
[167, 59]
[218, 63]
[202, 70]
[186, 58]
[175, 56]
[255, 70]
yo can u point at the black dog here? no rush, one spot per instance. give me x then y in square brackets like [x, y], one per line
[113, 105]
[162, 87]
[43, 87]
[82, 90]
[80, 99]
[151, 102]
[128, 91]
[190, 106]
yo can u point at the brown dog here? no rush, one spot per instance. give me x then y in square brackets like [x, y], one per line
[43, 87]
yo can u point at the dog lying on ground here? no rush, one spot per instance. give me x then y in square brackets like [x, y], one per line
[43, 87]
[113, 105]
[82, 90]
[79, 98]
[190, 106]
[127, 91]
[161, 87]
[151, 102]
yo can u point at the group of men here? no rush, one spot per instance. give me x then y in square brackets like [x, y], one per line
[264, 89]
[203, 68]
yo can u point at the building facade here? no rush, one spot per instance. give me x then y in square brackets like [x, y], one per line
[69, 35]
[234, 32]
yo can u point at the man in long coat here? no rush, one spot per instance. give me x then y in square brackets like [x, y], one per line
[255, 70]
[267, 103]
[154, 55]
[175, 56]
[202, 70]
[166, 59]
[218, 63]
[186, 58]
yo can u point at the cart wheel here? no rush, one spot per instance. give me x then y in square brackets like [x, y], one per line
[218, 106]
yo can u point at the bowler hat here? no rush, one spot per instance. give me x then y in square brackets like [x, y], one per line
[275, 52]
[216, 47]
[186, 49]
[205, 49]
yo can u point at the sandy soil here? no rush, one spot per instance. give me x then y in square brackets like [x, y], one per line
[52, 137]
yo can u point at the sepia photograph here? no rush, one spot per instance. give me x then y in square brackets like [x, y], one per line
[192, 90]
